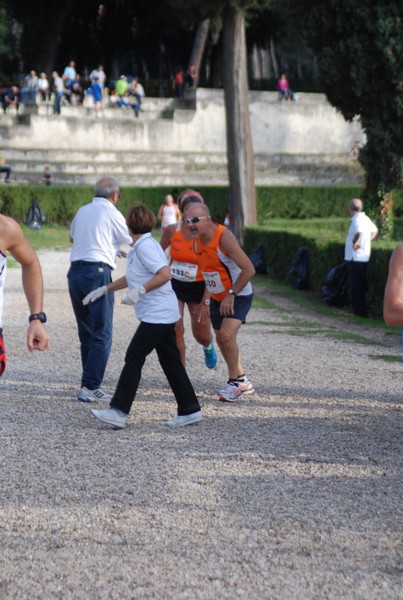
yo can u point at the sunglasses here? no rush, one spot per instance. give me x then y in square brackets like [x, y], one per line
[194, 220]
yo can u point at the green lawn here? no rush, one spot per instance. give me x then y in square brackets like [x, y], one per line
[52, 236]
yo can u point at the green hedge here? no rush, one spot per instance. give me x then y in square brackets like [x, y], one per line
[280, 247]
[59, 204]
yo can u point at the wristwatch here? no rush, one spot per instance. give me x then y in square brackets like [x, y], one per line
[206, 302]
[232, 293]
[38, 316]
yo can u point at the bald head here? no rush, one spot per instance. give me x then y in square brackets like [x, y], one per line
[355, 205]
[197, 209]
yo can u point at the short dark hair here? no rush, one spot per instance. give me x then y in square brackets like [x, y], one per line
[140, 219]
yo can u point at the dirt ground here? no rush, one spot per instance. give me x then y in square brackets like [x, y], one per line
[292, 493]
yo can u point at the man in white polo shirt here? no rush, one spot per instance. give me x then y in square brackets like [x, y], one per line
[96, 233]
[357, 252]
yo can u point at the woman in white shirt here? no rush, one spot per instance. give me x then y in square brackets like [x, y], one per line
[156, 306]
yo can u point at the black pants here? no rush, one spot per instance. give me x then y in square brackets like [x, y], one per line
[161, 337]
[359, 287]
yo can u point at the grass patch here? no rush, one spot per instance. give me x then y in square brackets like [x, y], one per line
[259, 302]
[386, 357]
[53, 237]
[314, 302]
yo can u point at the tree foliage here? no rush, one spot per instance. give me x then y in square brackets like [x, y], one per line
[359, 48]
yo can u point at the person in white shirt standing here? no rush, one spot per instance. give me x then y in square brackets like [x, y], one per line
[156, 307]
[357, 252]
[96, 233]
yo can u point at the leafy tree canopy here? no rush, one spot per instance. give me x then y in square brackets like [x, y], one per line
[359, 48]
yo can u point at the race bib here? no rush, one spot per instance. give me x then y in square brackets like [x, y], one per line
[183, 271]
[213, 282]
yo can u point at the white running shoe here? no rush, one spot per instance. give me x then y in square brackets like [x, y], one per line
[112, 416]
[231, 392]
[86, 395]
[246, 386]
[185, 419]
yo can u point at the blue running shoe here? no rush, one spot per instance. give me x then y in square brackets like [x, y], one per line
[210, 356]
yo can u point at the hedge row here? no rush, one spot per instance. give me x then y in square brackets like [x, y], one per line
[281, 246]
[59, 204]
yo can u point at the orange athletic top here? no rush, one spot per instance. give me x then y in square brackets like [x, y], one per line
[220, 272]
[183, 263]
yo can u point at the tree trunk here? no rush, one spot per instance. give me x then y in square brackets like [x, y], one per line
[199, 45]
[242, 202]
[274, 59]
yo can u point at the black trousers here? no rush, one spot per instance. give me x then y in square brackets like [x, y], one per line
[159, 337]
[359, 287]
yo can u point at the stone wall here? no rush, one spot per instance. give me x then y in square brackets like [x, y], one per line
[294, 142]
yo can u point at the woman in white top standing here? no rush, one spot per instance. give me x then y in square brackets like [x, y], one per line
[156, 306]
[169, 212]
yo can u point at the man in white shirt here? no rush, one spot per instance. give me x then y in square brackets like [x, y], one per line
[96, 233]
[357, 252]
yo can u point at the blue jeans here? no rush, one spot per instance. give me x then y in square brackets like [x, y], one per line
[94, 321]
[58, 102]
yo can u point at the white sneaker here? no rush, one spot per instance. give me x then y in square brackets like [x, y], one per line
[86, 395]
[231, 392]
[185, 419]
[112, 416]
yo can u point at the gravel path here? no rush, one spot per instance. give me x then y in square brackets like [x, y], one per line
[292, 493]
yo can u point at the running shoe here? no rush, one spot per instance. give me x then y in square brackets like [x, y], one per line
[210, 356]
[231, 392]
[246, 385]
[86, 395]
[181, 420]
[112, 416]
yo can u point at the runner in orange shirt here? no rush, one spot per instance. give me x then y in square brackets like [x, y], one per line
[227, 272]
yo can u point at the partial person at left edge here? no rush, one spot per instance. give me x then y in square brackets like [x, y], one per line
[97, 231]
[393, 300]
[12, 240]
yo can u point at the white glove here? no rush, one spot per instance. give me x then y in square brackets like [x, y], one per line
[121, 254]
[131, 296]
[95, 295]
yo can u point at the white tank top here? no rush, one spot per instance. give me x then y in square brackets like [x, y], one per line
[168, 216]
[3, 270]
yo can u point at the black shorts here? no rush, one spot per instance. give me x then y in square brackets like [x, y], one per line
[189, 293]
[242, 306]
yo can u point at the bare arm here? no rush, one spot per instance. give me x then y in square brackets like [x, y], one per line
[158, 279]
[230, 246]
[118, 284]
[166, 236]
[160, 212]
[32, 281]
[393, 300]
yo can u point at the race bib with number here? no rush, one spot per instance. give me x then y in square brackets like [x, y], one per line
[213, 282]
[183, 271]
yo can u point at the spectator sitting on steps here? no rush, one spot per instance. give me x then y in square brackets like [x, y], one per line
[284, 89]
[5, 169]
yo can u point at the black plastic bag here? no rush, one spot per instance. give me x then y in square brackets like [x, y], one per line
[300, 268]
[258, 260]
[35, 218]
[335, 288]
